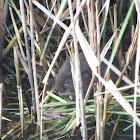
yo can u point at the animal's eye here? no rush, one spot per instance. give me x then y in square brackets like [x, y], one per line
[67, 81]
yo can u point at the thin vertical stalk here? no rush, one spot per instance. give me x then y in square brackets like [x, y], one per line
[78, 81]
[1, 95]
[137, 4]
[34, 64]
[30, 74]
[20, 96]
[91, 25]
[17, 33]
[99, 109]
[3, 19]
[115, 127]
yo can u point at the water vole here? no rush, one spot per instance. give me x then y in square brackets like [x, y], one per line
[64, 83]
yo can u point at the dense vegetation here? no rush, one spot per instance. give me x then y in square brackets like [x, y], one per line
[35, 39]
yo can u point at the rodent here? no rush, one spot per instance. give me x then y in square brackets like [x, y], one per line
[64, 83]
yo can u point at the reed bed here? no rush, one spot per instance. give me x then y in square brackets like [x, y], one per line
[35, 39]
